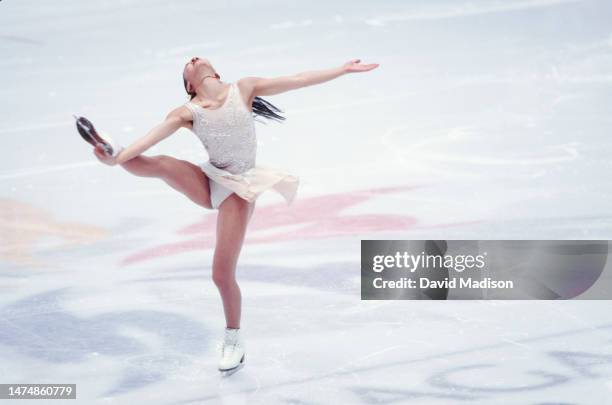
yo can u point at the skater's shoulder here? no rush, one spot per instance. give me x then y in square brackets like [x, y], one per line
[247, 84]
[182, 113]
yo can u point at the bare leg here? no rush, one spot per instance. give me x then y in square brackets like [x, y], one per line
[181, 175]
[232, 221]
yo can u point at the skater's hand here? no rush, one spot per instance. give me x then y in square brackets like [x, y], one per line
[355, 65]
[103, 157]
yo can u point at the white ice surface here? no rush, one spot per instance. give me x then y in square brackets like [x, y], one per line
[486, 120]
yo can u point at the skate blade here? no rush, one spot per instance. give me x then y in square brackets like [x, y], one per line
[230, 371]
[90, 135]
[85, 132]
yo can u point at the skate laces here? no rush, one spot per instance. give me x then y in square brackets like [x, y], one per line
[231, 342]
[229, 348]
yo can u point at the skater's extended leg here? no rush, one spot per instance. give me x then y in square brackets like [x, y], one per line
[181, 175]
[234, 215]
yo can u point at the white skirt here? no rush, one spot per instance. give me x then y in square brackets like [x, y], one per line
[250, 184]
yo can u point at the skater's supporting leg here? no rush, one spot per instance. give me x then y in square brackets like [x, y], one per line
[181, 175]
[234, 215]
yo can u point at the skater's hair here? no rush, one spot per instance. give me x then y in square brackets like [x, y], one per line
[261, 107]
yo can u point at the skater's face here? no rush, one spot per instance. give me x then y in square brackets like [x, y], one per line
[195, 68]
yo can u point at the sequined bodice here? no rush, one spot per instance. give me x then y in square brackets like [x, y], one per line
[227, 132]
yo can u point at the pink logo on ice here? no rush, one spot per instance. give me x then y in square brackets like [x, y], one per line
[307, 218]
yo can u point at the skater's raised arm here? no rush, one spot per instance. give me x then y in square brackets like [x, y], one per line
[261, 86]
[176, 119]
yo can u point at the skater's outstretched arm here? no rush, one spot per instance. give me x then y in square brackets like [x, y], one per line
[179, 117]
[261, 86]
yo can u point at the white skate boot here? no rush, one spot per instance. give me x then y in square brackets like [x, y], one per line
[232, 352]
[89, 133]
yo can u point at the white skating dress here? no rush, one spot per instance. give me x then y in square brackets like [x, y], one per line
[228, 134]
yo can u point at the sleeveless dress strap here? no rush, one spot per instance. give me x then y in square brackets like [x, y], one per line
[230, 96]
[194, 113]
[191, 108]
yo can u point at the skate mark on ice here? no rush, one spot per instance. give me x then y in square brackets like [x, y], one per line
[468, 392]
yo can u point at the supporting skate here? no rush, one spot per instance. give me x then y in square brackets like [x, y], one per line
[88, 133]
[230, 371]
[232, 352]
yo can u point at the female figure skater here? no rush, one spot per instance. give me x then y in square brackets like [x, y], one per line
[222, 116]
